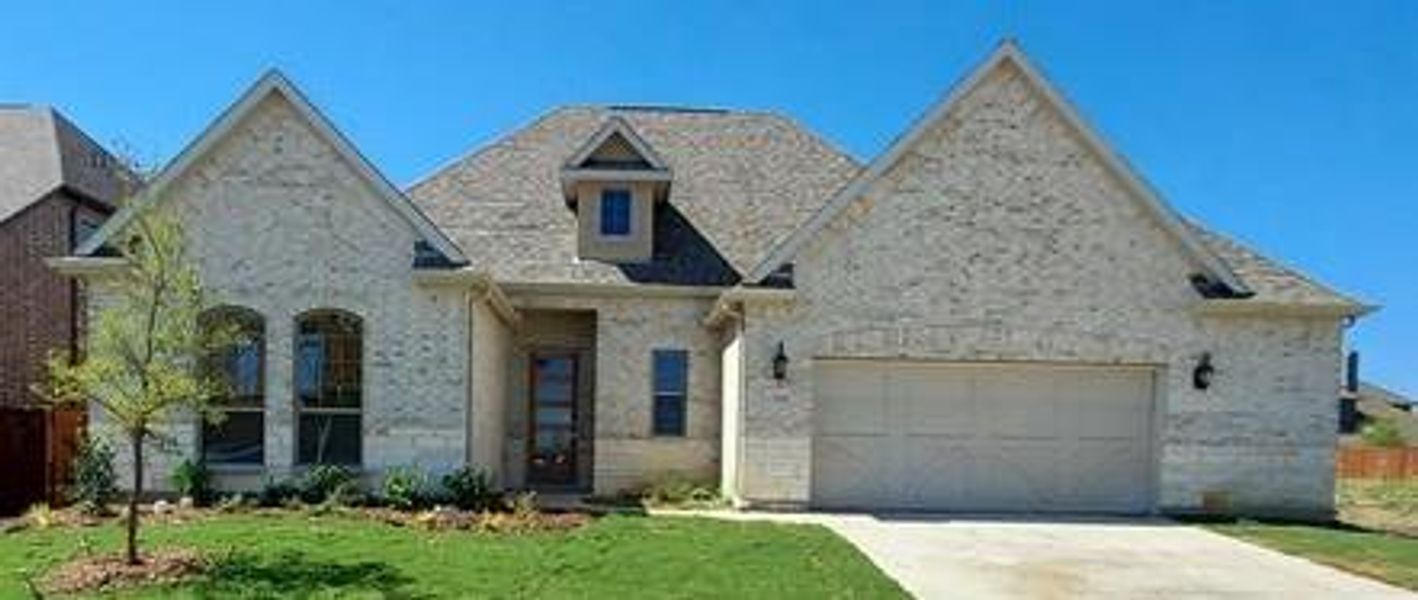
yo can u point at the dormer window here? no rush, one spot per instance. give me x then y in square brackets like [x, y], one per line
[613, 184]
[616, 206]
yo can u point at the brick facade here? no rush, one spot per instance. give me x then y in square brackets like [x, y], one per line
[1001, 236]
[40, 310]
[279, 223]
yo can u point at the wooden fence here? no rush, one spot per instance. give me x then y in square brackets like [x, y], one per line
[1376, 463]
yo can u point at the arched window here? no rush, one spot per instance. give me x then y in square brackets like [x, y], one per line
[240, 438]
[328, 385]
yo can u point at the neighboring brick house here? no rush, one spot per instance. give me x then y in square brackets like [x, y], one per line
[56, 186]
[996, 314]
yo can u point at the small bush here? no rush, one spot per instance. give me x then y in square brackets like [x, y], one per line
[1383, 432]
[94, 479]
[675, 490]
[41, 516]
[234, 503]
[472, 489]
[327, 483]
[191, 479]
[405, 488]
[278, 493]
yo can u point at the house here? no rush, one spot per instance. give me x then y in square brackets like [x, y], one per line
[56, 187]
[1371, 403]
[995, 314]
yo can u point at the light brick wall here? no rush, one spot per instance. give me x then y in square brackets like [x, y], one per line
[280, 224]
[1001, 237]
[487, 426]
[626, 331]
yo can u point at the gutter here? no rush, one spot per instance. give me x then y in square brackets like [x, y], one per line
[728, 307]
[1221, 307]
[86, 266]
[632, 290]
[481, 288]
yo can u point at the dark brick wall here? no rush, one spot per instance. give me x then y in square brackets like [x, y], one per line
[39, 309]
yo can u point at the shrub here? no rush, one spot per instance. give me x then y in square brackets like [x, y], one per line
[41, 516]
[191, 479]
[330, 483]
[405, 488]
[94, 479]
[1382, 431]
[675, 490]
[278, 493]
[469, 488]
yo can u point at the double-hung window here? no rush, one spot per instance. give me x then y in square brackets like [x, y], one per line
[671, 382]
[615, 212]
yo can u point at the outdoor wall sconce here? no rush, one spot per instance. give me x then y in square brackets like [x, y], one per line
[780, 363]
[1203, 373]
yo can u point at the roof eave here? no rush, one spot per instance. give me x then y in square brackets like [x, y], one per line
[1253, 307]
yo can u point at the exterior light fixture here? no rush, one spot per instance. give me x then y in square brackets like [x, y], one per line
[1203, 374]
[780, 363]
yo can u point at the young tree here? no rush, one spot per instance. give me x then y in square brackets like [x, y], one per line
[142, 364]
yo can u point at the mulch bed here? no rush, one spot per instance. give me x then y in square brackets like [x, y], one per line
[109, 571]
[501, 522]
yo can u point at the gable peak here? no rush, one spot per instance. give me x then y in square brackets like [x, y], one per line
[616, 145]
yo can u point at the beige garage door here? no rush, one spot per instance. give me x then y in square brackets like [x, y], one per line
[956, 437]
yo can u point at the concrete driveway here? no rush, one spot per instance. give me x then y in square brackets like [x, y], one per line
[980, 558]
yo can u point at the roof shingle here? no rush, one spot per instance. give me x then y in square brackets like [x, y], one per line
[742, 181]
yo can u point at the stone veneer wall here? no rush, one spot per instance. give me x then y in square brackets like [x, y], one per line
[1001, 237]
[280, 224]
[626, 455]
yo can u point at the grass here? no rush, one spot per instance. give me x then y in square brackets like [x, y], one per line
[1387, 505]
[1384, 556]
[294, 555]
[1377, 535]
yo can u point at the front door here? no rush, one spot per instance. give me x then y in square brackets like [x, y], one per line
[551, 459]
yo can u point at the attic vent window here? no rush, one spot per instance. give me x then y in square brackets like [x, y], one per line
[615, 212]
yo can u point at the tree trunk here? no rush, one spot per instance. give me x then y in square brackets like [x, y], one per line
[137, 442]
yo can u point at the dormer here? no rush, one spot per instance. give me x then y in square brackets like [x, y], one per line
[613, 183]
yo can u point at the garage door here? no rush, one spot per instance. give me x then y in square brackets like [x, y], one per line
[955, 437]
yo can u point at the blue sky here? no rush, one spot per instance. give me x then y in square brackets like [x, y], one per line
[1290, 125]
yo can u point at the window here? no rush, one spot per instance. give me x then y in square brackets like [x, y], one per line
[240, 365]
[671, 380]
[615, 212]
[328, 353]
[84, 227]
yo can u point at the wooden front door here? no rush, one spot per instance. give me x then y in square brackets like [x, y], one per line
[551, 455]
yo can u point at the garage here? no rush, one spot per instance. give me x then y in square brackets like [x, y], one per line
[982, 437]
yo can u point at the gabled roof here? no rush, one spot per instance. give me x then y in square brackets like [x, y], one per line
[1007, 53]
[41, 151]
[273, 82]
[742, 180]
[616, 131]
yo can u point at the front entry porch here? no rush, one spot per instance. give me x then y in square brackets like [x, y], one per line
[550, 441]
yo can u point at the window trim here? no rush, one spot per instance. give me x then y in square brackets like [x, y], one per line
[258, 408]
[682, 394]
[629, 196]
[298, 408]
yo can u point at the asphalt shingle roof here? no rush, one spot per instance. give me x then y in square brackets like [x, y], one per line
[1268, 279]
[41, 151]
[742, 182]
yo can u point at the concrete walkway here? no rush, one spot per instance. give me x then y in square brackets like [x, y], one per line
[981, 558]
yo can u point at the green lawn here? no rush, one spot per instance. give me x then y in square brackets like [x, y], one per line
[293, 555]
[1388, 557]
